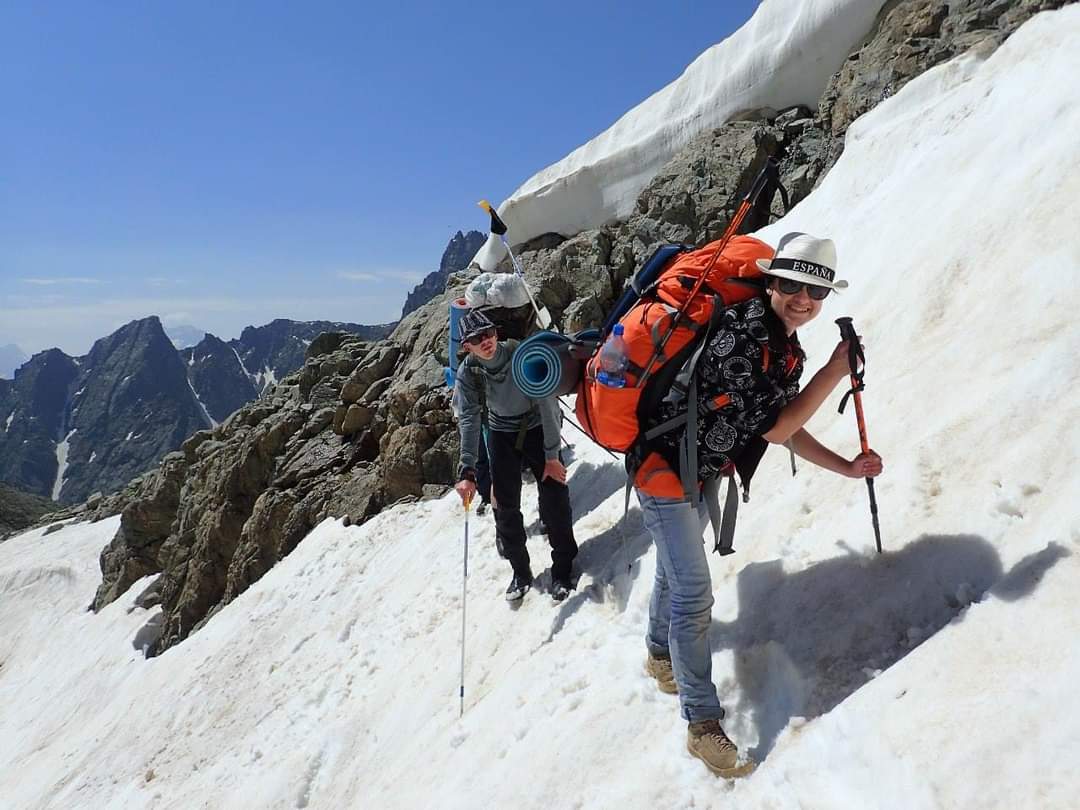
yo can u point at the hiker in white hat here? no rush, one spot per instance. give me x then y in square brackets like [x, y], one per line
[802, 264]
[748, 395]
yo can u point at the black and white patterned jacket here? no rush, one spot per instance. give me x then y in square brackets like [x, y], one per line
[748, 372]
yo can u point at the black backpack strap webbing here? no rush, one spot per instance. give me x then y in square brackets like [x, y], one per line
[722, 520]
[688, 466]
[523, 429]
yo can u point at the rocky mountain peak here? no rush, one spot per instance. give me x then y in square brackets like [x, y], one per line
[456, 257]
[460, 250]
[32, 416]
[132, 404]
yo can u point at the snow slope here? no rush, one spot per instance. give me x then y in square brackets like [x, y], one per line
[939, 675]
[784, 55]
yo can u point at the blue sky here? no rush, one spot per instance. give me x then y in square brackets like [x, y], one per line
[222, 164]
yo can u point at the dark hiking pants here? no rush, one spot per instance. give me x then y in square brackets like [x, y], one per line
[506, 462]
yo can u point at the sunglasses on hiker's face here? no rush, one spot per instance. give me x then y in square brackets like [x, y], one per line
[789, 287]
[476, 340]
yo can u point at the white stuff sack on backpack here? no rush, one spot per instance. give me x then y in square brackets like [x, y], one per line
[496, 290]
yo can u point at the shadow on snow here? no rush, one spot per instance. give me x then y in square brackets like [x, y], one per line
[806, 640]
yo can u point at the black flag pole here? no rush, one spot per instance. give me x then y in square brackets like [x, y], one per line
[498, 227]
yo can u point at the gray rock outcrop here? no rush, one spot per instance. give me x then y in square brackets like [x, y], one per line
[19, 510]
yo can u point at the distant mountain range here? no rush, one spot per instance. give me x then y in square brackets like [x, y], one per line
[226, 375]
[11, 357]
[72, 426]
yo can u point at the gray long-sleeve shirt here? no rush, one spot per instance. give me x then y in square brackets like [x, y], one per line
[506, 405]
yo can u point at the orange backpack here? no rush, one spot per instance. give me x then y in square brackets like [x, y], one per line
[613, 417]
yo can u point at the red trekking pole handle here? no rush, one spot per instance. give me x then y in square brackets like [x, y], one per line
[855, 360]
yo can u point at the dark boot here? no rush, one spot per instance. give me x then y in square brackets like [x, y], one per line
[519, 586]
[560, 588]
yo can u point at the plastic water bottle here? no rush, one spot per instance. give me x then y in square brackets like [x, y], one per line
[613, 360]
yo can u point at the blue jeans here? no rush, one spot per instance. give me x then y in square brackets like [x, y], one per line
[680, 610]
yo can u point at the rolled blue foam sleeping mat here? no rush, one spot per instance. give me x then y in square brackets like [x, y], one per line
[544, 366]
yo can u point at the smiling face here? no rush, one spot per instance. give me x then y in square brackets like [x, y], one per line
[485, 348]
[793, 310]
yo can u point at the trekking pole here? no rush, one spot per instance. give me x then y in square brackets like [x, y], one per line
[498, 227]
[855, 358]
[464, 579]
[770, 169]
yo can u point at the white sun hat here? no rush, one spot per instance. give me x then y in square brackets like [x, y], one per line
[804, 258]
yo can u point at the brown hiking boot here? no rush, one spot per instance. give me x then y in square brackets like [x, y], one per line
[660, 668]
[708, 742]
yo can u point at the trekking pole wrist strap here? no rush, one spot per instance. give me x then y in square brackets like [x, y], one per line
[856, 359]
[855, 389]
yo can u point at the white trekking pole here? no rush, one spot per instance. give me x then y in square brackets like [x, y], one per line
[464, 580]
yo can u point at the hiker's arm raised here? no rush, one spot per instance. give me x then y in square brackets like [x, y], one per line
[864, 465]
[798, 412]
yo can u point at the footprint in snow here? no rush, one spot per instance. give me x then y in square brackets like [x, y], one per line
[1011, 507]
[1007, 507]
[575, 686]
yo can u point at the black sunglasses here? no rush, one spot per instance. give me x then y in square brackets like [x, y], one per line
[789, 287]
[476, 340]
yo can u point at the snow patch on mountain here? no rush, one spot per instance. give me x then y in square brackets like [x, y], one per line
[241, 362]
[206, 414]
[62, 449]
[266, 378]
